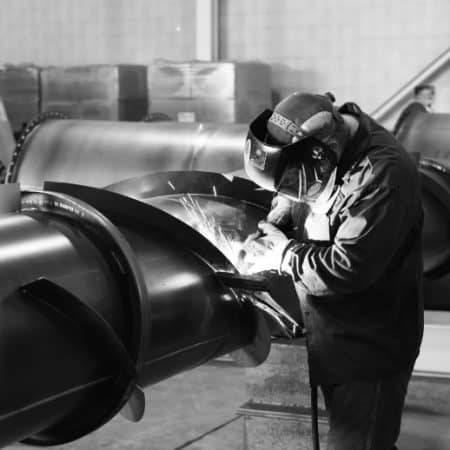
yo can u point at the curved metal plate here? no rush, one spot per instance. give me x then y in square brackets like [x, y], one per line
[222, 210]
[193, 182]
[123, 210]
[126, 210]
[234, 206]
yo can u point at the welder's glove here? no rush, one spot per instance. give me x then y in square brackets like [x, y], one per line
[280, 214]
[265, 250]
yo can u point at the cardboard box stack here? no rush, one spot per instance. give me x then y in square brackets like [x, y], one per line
[19, 89]
[105, 92]
[221, 92]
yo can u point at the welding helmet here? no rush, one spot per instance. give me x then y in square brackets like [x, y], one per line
[288, 150]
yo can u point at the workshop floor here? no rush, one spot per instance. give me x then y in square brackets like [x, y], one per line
[196, 411]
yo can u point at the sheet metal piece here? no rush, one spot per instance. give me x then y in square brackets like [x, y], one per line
[275, 295]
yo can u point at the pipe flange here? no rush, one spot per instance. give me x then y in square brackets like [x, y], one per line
[427, 163]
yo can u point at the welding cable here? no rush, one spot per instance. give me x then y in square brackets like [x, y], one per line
[314, 417]
[212, 430]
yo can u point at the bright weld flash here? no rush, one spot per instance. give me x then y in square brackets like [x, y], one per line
[211, 230]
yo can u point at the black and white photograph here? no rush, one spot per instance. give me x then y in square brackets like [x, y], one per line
[225, 224]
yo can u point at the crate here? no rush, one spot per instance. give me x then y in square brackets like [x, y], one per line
[19, 89]
[7, 143]
[223, 92]
[19, 83]
[94, 82]
[21, 112]
[248, 80]
[105, 92]
[169, 80]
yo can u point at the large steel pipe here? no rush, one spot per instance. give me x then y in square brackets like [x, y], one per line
[93, 310]
[98, 153]
[44, 358]
[428, 136]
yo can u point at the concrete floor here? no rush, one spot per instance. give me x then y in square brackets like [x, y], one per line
[196, 411]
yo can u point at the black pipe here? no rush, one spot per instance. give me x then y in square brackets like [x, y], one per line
[90, 311]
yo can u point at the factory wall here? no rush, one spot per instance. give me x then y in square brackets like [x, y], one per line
[75, 32]
[362, 50]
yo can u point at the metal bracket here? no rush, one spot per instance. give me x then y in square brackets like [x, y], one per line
[84, 318]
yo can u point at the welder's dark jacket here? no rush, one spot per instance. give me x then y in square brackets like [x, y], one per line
[358, 267]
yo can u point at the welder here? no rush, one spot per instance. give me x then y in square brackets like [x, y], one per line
[346, 225]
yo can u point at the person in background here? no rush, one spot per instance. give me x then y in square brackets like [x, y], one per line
[346, 225]
[423, 101]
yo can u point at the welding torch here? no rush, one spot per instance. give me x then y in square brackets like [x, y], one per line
[250, 238]
[259, 233]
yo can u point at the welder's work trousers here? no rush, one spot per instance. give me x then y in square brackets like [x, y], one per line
[365, 415]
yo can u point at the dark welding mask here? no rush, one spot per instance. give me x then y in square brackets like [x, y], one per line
[302, 170]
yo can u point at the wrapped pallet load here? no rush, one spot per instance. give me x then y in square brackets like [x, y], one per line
[104, 92]
[19, 89]
[220, 92]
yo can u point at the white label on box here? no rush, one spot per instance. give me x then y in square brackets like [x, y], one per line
[186, 116]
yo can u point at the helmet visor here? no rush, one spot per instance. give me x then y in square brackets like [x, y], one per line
[262, 158]
[300, 170]
[308, 166]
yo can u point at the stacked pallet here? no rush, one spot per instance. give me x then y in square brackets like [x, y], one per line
[220, 92]
[105, 92]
